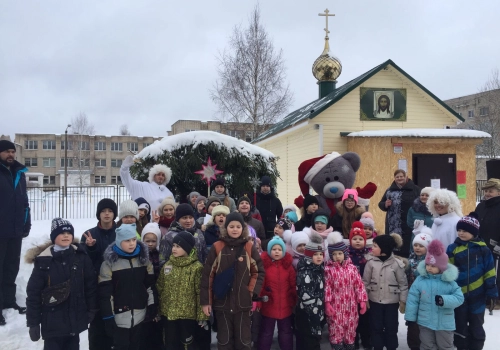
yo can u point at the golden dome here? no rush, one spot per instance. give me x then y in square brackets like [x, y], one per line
[326, 67]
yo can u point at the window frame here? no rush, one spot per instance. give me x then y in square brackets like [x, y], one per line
[51, 160]
[113, 144]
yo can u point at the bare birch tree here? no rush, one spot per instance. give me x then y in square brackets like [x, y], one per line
[251, 85]
[124, 130]
[82, 160]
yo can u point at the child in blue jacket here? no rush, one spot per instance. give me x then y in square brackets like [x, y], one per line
[476, 278]
[432, 298]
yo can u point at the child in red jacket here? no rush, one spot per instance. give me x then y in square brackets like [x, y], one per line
[280, 287]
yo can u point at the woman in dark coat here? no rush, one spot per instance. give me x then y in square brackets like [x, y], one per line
[397, 201]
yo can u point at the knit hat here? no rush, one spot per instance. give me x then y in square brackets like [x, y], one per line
[143, 204]
[314, 245]
[350, 193]
[321, 218]
[245, 198]
[308, 200]
[469, 223]
[220, 209]
[234, 216]
[298, 238]
[320, 215]
[368, 222]
[198, 200]
[192, 194]
[336, 243]
[185, 240]
[436, 255]
[309, 168]
[106, 203]
[285, 224]
[182, 210]
[128, 207]
[292, 216]
[125, 232]
[386, 243]
[491, 183]
[427, 190]
[167, 201]
[6, 145]
[219, 182]
[367, 214]
[357, 229]
[276, 240]
[59, 226]
[160, 168]
[422, 233]
[152, 227]
[212, 199]
[290, 207]
[265, 181]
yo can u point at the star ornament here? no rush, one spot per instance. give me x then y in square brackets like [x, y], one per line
[209, 171]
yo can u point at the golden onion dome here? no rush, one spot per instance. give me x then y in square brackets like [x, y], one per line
[326, 67]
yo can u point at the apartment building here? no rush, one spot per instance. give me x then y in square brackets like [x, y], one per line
[90, 159]
[475, 105]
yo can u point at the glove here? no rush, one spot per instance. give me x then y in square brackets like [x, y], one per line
[362, 305]
[35, 333]
[439, 300]
[490, 303]
[109, 327]
[151, 312]
[402, 307]
[128, 162]
[203, 324]
[329, 310]
[256, 305]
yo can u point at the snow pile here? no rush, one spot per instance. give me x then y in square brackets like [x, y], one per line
[195, 138]
[448, 133]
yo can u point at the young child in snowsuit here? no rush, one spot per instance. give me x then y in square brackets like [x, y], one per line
[476, 278]
[344, 290]
[66, 310]
[280, 287]
[357, 254]
[126, 288]
[310, 313]
[387, 288]
[144, 212]
[432, 298]
[152, 331]
[166, 215]
[179, 294]
[234, 308]
[422, 237]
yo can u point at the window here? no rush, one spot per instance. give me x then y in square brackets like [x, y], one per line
[471, 114]
[132, 146]
[248, 136]
[116, 163]
[83, 162]
[484, 111]
[84, 146]
[100, 162]
[48, 144]
[116, 180]
[32, 162]
[99, 146]
[49, 162]
[188, 130]
[145, 144]
[32, 178]
[100, 180]
[116, 146]
[49, 180]
[69, 160]
[232, 133]
[70, 145]
[30, 144]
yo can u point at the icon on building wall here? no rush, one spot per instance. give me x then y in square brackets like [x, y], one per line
[383, 104]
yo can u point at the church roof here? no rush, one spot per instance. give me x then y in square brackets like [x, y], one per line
[316, 107]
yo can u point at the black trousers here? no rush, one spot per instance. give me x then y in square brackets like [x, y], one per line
[304, 338]
[179, 334]
[10, 257]
[413, 335]
[152, 336]
[384, 325]
[127, 338]
[62, 343]
[203, 337]
[363, 330]
[469, 331]
[98, 340]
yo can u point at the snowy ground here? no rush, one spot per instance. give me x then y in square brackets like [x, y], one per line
[15, 336]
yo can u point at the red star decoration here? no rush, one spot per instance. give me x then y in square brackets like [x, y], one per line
[209, 171]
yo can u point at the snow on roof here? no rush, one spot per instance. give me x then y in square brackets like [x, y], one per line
[196, 138]
[421, 133]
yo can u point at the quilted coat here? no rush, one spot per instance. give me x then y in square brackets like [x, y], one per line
[385, 281]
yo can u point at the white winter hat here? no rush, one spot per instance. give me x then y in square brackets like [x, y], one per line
[152, 227]
[299, 237]
[160, 168]
[128, 207]
[423, 234]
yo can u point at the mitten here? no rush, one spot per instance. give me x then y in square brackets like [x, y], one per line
[256, 305]
[490, 303]
[329, 310]
[128, 162]
[109, 327]
[362, 305]
[402, 307]
[35, 333]
[439, 300]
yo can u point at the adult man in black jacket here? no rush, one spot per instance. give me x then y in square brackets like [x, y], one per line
[269, 206]
[15, 223]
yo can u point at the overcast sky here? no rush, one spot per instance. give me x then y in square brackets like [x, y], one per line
[150, 63]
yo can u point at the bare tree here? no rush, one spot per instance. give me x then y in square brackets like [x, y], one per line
[82, 125]
[81, 160]
[124, 130]
[251, 85]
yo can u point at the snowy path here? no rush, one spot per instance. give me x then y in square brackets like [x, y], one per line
[14, 336]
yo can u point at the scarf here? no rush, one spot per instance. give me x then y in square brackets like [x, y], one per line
[420, 207]
[166, 222]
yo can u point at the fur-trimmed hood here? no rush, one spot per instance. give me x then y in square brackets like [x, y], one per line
[111, 256]
[449, 275]
[160, 168]
[286, 261]
[357, 209]
[44, 250]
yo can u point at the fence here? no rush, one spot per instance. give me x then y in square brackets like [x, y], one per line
[47, 203]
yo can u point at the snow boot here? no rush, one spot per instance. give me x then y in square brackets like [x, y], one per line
[349, 346]
[337, 346]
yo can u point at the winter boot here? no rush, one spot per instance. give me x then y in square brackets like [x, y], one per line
[349, 346]
[337, 346]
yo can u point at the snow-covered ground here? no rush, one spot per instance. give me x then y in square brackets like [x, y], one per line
[15, 336]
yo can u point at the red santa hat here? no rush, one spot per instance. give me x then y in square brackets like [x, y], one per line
[309, 168]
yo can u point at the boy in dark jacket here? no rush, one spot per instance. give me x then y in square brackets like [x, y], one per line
[65, 311]
[476, 278]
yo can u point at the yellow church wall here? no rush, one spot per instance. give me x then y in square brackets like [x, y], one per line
[379, 163]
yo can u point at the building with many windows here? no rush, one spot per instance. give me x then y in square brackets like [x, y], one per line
[90, 160]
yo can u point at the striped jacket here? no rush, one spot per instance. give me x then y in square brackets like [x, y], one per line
[476, 275]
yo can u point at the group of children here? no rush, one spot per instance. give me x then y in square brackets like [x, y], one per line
[167, 283]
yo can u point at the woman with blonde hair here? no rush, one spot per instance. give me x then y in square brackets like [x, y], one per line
[445, 206]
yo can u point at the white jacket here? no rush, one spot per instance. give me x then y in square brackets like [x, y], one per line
[444, 228]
